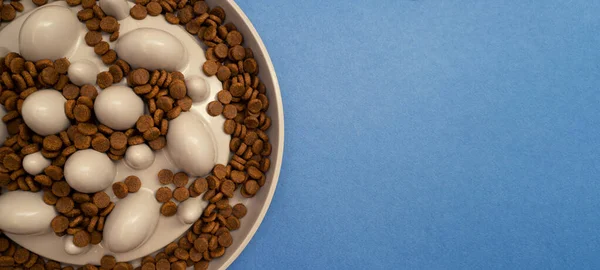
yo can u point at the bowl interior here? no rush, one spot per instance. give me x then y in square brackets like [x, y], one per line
[257, 206]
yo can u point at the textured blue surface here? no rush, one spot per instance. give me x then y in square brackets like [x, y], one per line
[434, 135]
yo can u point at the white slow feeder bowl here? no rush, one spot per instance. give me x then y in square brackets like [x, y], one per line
[46, 244]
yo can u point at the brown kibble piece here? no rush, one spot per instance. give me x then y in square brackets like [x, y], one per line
[225, 239]
[62, 65]
[59, 224]
[49, 76]
[229, 111]
[237, 89]
[163, 194]
[116, 72]
[109, 24]
[185, 103]
[82, 113]
[239, 210]
[140, 76]
[138, 12]
[81, 238]
[52, 143]
[227, 188]
[92, 38]
[108, 262]
[229, 126]
[64, 205]
[87, 128]
[224, 96]
[181, 194]
[210, 67]
[151, 134]
[7, 13]
[104, 79]
[168, 209]
[180, 179]
[144, 123]
[154, 9]
[214, 108]
[61, 189]
[82, 142]
[101, 48]
[133, 183]
[234, 38]
[49, 198]
[201, 244]
[93, 24]
[223, 73]
[101, 199]
[120, 190]
[43, 179]
[109, 57]
[251, 187]
[177, 89]
[89, 209]
[101, 144]
[118, 140]
[171, 18]
[70, 91]
[200, 185]
[158, 143]
[114, 36]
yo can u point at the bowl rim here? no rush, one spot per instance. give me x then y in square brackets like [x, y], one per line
[279, 158]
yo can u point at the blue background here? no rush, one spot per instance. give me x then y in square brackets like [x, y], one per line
[434, 135]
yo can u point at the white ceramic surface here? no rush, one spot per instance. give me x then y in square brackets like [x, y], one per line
[139, 156]
[152, 49]
[89, 171]
[35, 163]
[83, 72]
[168, 229]
[44, 112]
[25, 213]
[118, 107]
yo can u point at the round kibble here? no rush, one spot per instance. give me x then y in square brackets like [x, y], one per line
[82, 141]
[140, 76]
[185, 103]
[8, 13]
[239, 210]
[224, 96]
[49, 76]
[251, 187]
[92, 38]
[228, 187]
[89, 209]
[223, 73]
[118, 140]
[214, 108]
[201, 244]
[237, 53]
[64, 205]
[210, 67]
[62, 65]
[200, 185]
[120, 190]
[181, 194]
[229, 126]
[164, 194]
[93, 24]
[133, 183]
[144, 123]
[237, 89]
[168, 209]
[255, 105]
[101, 199]
[109, 57]
[225, 239]
[177, 89]
[52, 143]
[101, 144]
[108, 262]
[61, 189]
[109, 24]
[59, 224]
[234, 38]
[180, 179]
[81, 238]
[87, 128]
[82, 113]
[116, 72]
[229, 111]
[154, 9]
[104, 79]
[70, 91]
[138, 12]
[101, 48]
[158, 143]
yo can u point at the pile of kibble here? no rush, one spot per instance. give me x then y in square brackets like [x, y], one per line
[243, 102]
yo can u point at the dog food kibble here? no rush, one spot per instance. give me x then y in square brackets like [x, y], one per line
[60, 224]
[177, 89]
[64, 205]
[180, 179]
[168, 209]
[181, 194]
[104, 79]
[214, 108]
[100, 143]
[49, 76]
[61, 189]
[164, 194]
[239, 210]
[144, 123]
[109, 57]
[165, 176]
[108, 262]
[109, 24]
[140, 76]
[210, 67]
[133, 183]
[154, 8]
[120, 190]
[101, 199]
[81, 238]
[118, 140]
[92, 38]
[89, 209]
[138, 12]
[82, 113]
